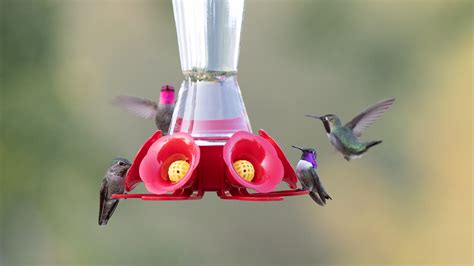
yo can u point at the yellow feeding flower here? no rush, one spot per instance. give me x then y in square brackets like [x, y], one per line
[244, 169]
[177, 170]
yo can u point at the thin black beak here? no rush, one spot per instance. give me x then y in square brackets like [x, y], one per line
[301, 149]
[317, 117]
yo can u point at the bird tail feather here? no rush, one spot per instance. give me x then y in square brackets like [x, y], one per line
[372, 143]
[107, 212]
[323, 194]
[316, 198]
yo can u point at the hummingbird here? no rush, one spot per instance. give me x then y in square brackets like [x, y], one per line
[309, 179]
[345, 138]
[161, 111]
[112, 183]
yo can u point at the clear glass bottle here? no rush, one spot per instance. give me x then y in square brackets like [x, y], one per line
[210, 105]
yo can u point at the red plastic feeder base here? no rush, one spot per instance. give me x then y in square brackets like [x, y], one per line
[272, 196]
[211, 169]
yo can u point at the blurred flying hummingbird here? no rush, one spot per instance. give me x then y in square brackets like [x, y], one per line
[161, 111]
[345, 137]
[306, 172]
[112, 183]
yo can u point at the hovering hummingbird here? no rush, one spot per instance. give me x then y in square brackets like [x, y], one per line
[306, 172]
[345, 137]
[162, 111]
[113, 182]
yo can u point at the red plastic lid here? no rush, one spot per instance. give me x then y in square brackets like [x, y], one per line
[290, 176]
[133, 176]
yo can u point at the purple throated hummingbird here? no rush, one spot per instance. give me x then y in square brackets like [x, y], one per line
[112, 183]
[309, 179]
[345, 137]
[161, 111]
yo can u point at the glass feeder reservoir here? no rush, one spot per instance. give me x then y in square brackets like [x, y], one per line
[210, 106]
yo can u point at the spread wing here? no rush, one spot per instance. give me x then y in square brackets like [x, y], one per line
[365, 119]
[103, 196]
[140, 107]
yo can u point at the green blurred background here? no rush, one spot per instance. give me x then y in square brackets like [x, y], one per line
[408, 200]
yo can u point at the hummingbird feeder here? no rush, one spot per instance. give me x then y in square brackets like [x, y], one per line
[210, 146]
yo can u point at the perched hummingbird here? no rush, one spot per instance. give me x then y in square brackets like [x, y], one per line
[112, 183]
[306, 172]
[345, 137]
[162, 111]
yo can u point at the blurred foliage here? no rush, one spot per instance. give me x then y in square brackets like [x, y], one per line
[408, 201]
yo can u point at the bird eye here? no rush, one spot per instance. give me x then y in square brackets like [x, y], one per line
[121, 163]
